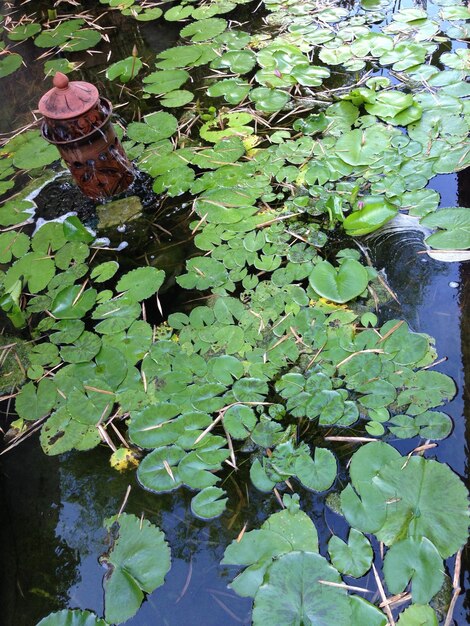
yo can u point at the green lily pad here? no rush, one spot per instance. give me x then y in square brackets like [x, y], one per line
[125, 69]
[74, 617]
[20, 32]
[269, 100]
[141, 283]
[418, 561]
[137, 563]
[202, 30]
[164, 81]
[342, 284]
[10, 63]
[453, 226]
[375, 211]
[209, 503]
[81, 40]
[34, 151]
[353, 558]
[177, 98]
[418, 615]
[414, 514]
[293, 593]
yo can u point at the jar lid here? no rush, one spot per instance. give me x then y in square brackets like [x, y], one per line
[68, 99]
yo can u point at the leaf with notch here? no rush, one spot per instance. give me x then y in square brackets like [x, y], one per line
[137, 563]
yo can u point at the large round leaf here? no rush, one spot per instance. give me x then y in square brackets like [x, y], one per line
[293, 593]
[339, 285]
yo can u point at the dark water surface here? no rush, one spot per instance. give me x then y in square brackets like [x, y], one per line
[52, 509]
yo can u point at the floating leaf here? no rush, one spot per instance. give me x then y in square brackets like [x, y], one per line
[125, 69]
[342, 284]
[20, 32]
[141, 283]
[293, 593]
[209, 503]
[418, 615]
[177, 98]
[353, 558]
[202, 30]
[103, 272]
[418, 561]
[73, 302]
[164, 81]
[375, 211]
[453, 226]
[138, 562]
[269, 100]
[81, 40]
[34, 151]
[10, 63]
[69, 617]
[418, 483]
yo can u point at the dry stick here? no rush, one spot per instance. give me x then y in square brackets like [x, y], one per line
[25, 435]
[398, 599]
[348, 358]
[118, 435]
[351, 439]
[383, 596]
[124, 502]
[227, 610]
[106, 438]
[230, 447]
[392, 330]
[187, 581]
[329, 583]
[456, 586]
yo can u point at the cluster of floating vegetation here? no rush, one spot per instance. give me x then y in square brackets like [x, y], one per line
[295, 133]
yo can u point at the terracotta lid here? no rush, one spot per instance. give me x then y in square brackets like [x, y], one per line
[68, 99]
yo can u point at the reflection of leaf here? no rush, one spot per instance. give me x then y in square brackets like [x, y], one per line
[138, 562]
[293, 593]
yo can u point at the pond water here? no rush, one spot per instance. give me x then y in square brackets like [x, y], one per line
[52, 508]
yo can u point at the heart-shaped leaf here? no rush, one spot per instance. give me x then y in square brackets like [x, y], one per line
[341, 284]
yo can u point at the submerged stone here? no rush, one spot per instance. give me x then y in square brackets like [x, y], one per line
[123, 220]
[118, 212]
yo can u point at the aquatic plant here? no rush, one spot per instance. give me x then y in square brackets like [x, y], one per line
[276, 155]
